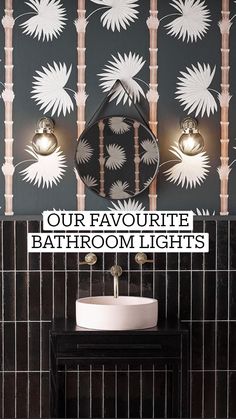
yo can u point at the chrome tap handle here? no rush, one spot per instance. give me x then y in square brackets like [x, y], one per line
[141, 258]
[90, 259]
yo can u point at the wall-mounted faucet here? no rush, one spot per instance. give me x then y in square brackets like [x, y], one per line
[142, 258]
[116, 271]
[90, 259]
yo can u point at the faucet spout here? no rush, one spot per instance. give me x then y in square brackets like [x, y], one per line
[116, 271]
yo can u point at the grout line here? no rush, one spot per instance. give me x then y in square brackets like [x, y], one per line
[203, 331]
[228, 326]
[216, 328]
[28, 330]
[128, 404]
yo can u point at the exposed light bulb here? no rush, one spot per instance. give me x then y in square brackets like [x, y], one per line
[44, 141]
[191, 142]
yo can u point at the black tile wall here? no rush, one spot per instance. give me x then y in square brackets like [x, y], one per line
[198, 289]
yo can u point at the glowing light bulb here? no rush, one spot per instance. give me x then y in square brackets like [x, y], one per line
[44, 141]
[191, 142]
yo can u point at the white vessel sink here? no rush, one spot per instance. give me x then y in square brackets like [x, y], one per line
[122, 313]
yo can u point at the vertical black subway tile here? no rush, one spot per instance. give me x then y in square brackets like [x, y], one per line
[197, 331]
[47, 294]
[232, 398]
[34, 391]
[160, 293]
[134, 394]
[1, 244]
[109, 395]
[221, 395]
[34, 346]
[97, 283]
[160, 261]
[197, 295]
[21, 346]
[71, 261]
[185, 261]
[109, 260]
[210, 295]
[135, 283]
[172, 261]
[21, 245]
[232, 244]
[81, 259]
[34, 258]
[21, 295]
[72, 293]
[147, 394]
[232, 296]
[209, 394]
[222, 335]
[9, 346]
[34, 296]
[97, 390]
[124, 284]
[47, 261]
[59, 295]
[172, 295]
[122, 395]
[59, 261]
[9, 296]
[108, 283]
[210, 258]
[159, 391]
[222, 245]
[232, 346]
[123, 261]
[133, 265]
[209, 345]
[1, 296]
[71, 394]
[8, 245]
[222, 295]
[9, 395]
[147, 284]
[197, 258]
[45, 329]
[84, 284]
[98, 266]
[45, 398]
[21, 407]
[196, 393]
[84, 395]
[185, 295]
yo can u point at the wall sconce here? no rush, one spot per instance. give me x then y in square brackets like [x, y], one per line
[44, 141]
[191, 142]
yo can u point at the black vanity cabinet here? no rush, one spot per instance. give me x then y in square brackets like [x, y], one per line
[165, 346]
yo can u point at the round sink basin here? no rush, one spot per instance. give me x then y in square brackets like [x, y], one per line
[122, 313]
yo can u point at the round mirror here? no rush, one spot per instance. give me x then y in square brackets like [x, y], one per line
[117, 157]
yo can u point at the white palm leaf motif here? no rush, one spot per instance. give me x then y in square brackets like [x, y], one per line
[46, 170]
[49, 89]
[119, 13]
[147, 182]
[118, 125]
[203, 212]
[118, 190]
[191, 171]
[125, 69]
[151, 154]
[116, 157]
[48, 21]
[193, 90]
[84, 151]
[193, 21]
[130, 205]
[90, 181]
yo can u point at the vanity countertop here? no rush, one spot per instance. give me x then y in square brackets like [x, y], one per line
[164, 327]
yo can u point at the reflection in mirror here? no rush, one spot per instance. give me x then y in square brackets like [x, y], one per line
[117, 157]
